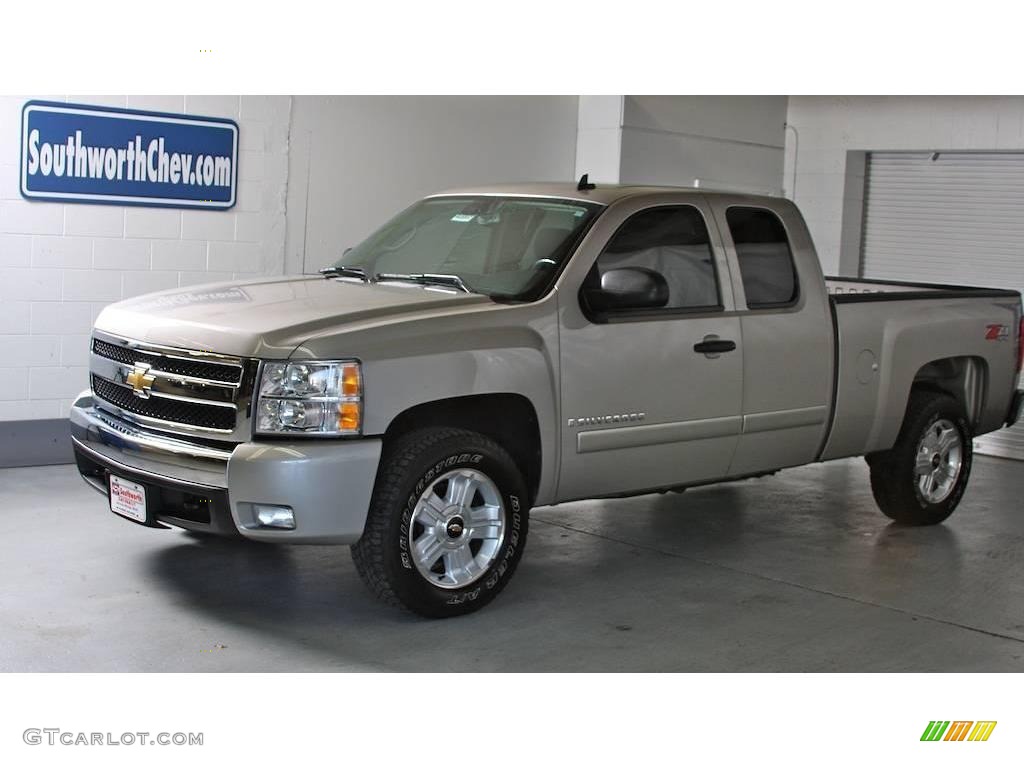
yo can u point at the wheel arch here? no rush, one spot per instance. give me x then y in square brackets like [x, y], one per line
[964, 377]
[508, 418]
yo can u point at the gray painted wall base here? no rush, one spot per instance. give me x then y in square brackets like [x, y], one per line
[35, 443]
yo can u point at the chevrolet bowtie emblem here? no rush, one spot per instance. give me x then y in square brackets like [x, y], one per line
[140, 380]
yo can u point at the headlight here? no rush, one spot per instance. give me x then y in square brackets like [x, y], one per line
[310, 397]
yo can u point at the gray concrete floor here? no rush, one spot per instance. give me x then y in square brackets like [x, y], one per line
[795, 572]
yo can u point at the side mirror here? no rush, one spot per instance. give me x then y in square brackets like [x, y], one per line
[629, 288]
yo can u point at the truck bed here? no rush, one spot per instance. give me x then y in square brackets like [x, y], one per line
[880, 351]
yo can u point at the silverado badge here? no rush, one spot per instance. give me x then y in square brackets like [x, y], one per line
[616, 418]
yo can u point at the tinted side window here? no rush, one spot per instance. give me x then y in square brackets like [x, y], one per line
[672, 241]
[766, 262]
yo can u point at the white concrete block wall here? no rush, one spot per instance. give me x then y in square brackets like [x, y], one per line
[356, 161]
[724, 142]
[720, 142]
[599, 138]
[61, 264]
[828, 127]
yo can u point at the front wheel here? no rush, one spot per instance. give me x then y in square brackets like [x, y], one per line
[922, 478]
[447, 523]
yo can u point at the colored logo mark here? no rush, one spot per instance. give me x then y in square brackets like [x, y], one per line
[958, 730]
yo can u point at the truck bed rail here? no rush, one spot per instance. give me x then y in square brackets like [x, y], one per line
[845, 290]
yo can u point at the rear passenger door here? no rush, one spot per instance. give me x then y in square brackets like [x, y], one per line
[786, 326]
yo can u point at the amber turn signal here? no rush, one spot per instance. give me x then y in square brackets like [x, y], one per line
[348, 417]
[351, 386]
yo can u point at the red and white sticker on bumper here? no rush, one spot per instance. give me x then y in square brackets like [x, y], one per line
[128, 499]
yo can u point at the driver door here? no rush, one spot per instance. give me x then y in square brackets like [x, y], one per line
[651, 397]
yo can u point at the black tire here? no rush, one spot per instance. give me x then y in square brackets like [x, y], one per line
[894, 478]
[382, 555]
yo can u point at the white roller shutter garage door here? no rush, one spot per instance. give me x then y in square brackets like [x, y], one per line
[948, 217]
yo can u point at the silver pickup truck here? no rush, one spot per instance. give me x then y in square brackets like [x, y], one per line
[494, 349]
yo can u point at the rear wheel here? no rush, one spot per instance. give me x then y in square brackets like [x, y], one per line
[922, 478]
[447, 523]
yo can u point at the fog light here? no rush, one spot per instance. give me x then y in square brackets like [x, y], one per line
[272, 516]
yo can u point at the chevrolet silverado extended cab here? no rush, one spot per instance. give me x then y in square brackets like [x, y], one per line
[494, 349]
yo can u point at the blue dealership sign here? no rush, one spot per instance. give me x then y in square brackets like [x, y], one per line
[74, 153]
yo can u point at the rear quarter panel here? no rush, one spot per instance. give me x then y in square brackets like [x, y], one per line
[883, 345]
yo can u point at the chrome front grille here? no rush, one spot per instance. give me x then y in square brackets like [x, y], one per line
[174, 390]
[205, 415]
[225, 373]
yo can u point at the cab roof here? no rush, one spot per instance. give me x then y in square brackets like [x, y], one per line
[602, 194]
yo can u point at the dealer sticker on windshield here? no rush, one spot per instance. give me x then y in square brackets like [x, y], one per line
[128, 499]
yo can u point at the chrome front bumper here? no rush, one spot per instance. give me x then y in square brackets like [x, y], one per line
[328, 483]
[131, 448]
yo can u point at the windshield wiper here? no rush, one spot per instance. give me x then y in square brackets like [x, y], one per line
[341, 270]
[423, 278]
[426, 278]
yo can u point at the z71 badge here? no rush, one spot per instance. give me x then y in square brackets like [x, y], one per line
[997, 332]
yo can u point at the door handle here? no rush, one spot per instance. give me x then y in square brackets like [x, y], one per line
[713, 346]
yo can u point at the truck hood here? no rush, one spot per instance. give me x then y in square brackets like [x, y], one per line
[269, 317]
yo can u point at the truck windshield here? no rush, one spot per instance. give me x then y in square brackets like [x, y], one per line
[504, 247]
